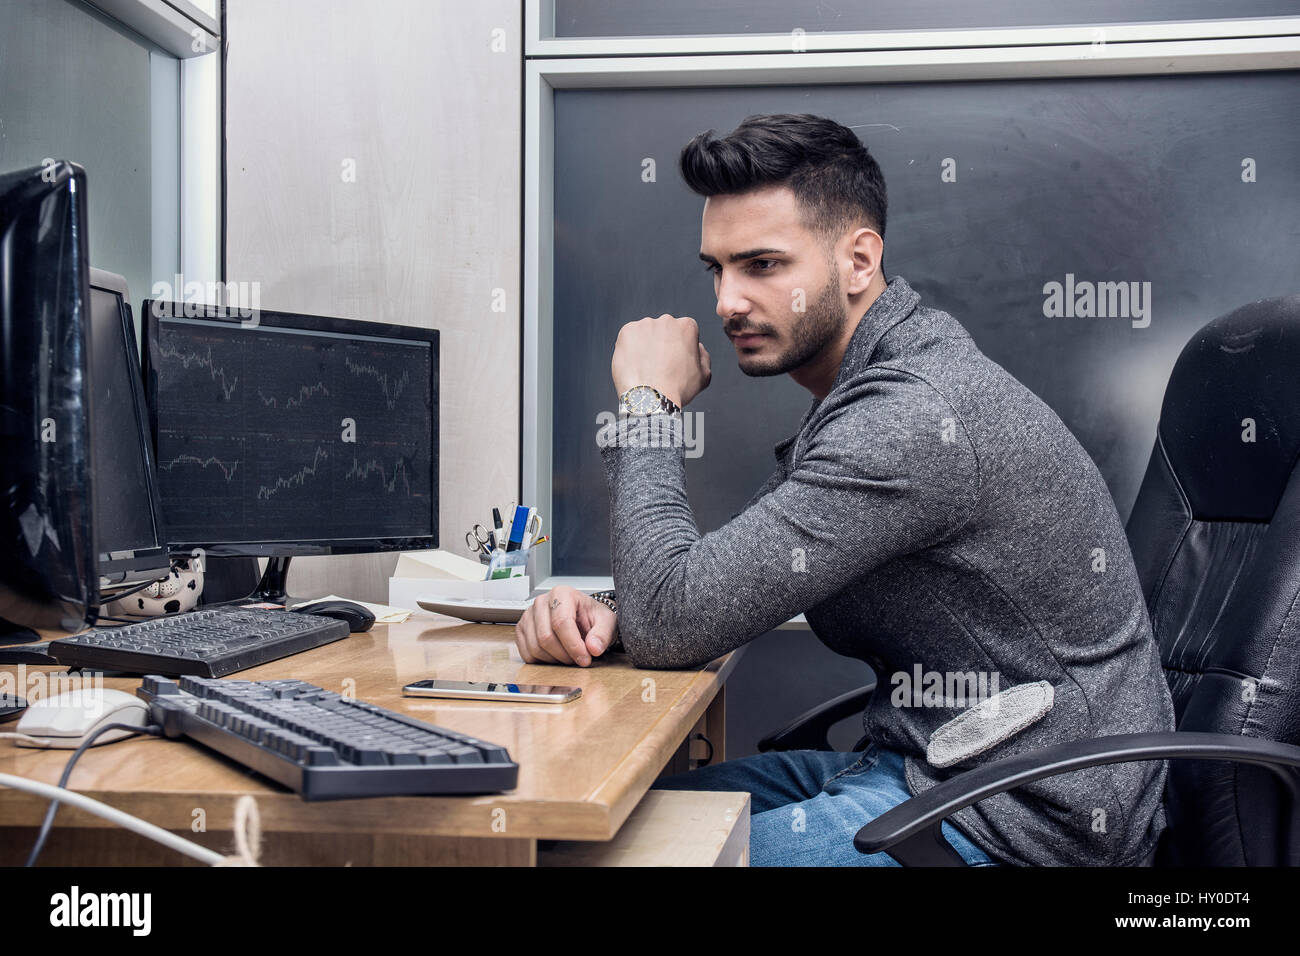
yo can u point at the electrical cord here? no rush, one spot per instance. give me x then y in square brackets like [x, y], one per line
[709, 743]
[15, 735]
[67, 773]
[118, 595]
[121, 621]
[114, 815]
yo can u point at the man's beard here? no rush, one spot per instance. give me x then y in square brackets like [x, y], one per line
[822, 322]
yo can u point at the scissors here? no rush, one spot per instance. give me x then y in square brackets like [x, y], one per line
[477, 539]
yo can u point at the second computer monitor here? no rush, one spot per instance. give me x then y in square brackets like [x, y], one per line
[281, 434]
[128, 527]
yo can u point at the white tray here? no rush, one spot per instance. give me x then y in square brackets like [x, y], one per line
[478, 610]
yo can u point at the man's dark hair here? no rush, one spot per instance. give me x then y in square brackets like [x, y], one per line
[837, 182]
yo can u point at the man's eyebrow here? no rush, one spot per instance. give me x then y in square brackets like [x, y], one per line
[740, 256]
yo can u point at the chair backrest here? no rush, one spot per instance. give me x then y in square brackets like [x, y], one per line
[1215, 532]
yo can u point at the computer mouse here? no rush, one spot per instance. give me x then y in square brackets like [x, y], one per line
[65, 721]
[357, 617]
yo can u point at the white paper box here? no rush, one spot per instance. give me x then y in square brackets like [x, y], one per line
[440, 565]
[407, 592]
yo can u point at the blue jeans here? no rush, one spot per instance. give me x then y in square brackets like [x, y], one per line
[806, 805]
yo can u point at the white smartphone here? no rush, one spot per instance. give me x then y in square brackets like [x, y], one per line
[481, 690]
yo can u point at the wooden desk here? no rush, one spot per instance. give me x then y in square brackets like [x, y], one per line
[583, 766]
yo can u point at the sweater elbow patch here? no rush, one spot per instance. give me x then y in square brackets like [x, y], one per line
[989, 723]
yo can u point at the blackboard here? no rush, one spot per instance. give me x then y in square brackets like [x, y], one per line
[1115, 179]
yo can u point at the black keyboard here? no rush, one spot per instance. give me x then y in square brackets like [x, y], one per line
[210, 642]
[324, 745]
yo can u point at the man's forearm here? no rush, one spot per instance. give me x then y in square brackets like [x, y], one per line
[664, 622]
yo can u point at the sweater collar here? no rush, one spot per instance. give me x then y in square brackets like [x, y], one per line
[892, 306]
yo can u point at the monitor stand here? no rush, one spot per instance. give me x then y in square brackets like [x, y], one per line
[16, 634]
[20, 645]
[271, 588]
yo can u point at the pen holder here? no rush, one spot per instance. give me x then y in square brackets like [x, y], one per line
[508, 564]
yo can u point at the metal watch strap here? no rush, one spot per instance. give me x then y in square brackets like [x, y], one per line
[666, 407]
[608, 599]
[671, 407]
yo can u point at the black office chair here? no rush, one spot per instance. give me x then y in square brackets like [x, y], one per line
[1215, 533]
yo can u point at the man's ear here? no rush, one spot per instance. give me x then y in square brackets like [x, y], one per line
[868, 251]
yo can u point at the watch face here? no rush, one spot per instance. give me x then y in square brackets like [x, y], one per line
[643, 400]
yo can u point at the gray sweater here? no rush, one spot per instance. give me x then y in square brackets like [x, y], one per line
[936, 519]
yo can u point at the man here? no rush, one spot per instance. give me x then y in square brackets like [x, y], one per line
[931, 517]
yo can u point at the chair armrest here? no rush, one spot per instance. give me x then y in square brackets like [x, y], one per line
[808, 730]
[910, 831]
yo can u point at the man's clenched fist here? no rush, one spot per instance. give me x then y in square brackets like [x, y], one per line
[664, 353]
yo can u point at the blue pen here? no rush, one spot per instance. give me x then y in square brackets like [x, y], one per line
[518, 527]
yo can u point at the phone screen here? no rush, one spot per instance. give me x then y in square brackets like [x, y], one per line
[485, 689]
[489, 687]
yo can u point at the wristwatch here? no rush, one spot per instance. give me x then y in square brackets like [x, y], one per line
[607, 598]
[645, 400]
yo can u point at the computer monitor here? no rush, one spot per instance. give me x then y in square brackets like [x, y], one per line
[129, 541]
[47, 556]
[283, 434]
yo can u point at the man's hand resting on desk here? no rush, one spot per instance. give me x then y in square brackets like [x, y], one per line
[565, 626]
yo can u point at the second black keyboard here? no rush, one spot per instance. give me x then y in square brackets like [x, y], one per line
[324, 745]
[210, 642]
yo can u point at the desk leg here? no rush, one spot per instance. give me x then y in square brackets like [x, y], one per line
[715, 725]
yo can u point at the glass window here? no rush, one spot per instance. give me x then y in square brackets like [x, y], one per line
[75, 85]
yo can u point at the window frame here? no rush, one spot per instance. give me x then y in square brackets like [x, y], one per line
[1127, 49]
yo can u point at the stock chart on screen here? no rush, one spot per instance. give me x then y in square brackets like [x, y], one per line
[275, 433]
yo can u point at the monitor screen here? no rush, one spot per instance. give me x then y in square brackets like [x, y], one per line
[292, 434]
[128, 536]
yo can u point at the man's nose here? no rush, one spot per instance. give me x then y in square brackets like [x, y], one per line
[731, 301]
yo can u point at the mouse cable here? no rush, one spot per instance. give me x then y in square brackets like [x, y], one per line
[118, 595]
[67, 773]
[114, 815]
[38, 741]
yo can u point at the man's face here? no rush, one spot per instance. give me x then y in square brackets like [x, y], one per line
[766, 267]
